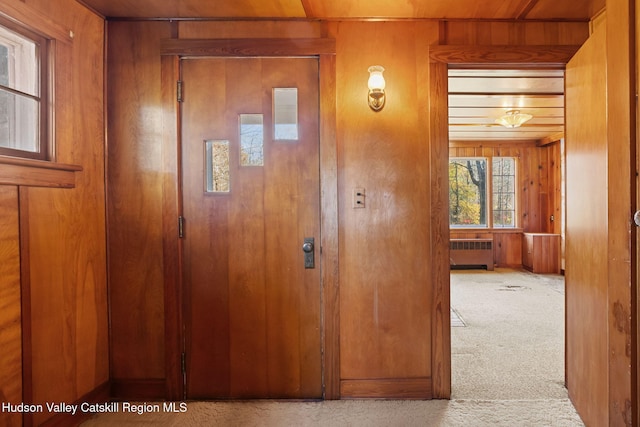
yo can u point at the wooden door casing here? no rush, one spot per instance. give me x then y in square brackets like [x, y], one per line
[260, 335]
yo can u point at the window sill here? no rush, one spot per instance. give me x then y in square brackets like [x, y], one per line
[37, 173]
[486, 230]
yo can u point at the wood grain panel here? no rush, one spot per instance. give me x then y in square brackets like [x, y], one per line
[505, 54]
[515, 33]
[172, 249]
[541, 252]
[621, 172]
[507, 249]
[386, 287]
[66, 227]
[211, 335]
[248, 47]
[586, 247]
[441, 319]
[330, 277]
[269, 331]
[35, 18]
[135, 185]
[335, 9]
[397, 388]
[635, 253]
[249, 29]
[10, 312]
[198, 8]
[37, 173]
[546, 8]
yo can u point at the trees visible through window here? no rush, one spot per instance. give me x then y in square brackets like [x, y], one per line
[504, 192]
[470, 189]
[22, 92]
[468, 192]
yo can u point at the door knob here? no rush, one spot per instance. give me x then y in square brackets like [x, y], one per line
[636, 218]
[308, 249]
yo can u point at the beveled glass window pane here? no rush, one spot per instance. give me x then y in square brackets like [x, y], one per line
[217, 166]
[504, 197]
[19, 65]
[18, 114]
[285, 113]
[251, 140]
[19, 92]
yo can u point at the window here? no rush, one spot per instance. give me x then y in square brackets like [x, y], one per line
[217, 166]
[504, 192]
[23, 90]
[285, 113]
[470, 190]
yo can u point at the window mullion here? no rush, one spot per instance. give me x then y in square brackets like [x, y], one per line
[19, 93]
[490, 191]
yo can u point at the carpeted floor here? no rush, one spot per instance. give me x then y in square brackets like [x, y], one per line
[512, 346]
[507, 370]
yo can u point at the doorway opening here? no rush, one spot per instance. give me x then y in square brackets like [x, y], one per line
[506, 205]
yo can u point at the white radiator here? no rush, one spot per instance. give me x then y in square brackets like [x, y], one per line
[471, 252]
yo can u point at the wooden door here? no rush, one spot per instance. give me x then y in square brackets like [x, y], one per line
[250, 159]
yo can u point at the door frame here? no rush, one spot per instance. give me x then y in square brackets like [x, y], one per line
[172, 50]
[442, 57]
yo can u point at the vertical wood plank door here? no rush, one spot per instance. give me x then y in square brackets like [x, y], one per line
[250, 156]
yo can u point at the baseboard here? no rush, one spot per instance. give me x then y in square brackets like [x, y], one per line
[388, 388]
[138, 389]
[98, 395]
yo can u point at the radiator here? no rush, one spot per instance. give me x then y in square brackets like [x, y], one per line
[471, 252]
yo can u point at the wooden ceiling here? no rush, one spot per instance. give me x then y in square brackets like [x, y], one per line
[350, 9]
[476, 97]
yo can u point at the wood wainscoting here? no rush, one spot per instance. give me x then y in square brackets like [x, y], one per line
[507, 244]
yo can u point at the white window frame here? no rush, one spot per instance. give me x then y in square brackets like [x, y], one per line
[23, 126]
[489, 195]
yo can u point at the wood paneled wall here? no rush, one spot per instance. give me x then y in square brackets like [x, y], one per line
[62, 234]
[537, 178]
[135, 217]
[514, 33]
[622, 104]
[386, 290]
[586, 278]
[600, 169]
[137, 158]
[388, 273]
[538, 193]
[10, 307]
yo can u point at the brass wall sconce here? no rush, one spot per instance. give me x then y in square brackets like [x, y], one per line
[376, 84]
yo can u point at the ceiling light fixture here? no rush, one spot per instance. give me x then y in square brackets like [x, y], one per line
[513, 119]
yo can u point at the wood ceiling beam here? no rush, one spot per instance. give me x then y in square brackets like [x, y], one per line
[248, 47]
[526, 8]
[501, 55]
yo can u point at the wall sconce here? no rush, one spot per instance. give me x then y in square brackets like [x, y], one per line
[513, 119]
[376, 84]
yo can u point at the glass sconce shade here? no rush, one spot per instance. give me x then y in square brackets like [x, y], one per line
[376, 83]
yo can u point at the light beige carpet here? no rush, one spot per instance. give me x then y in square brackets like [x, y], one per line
[512, 346]
[507, 370]
[356, 413]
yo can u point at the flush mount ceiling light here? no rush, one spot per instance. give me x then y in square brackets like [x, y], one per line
[513, 119]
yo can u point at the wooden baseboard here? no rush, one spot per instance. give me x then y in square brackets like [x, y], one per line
[99, 395]
[139, 389]
[388, 388]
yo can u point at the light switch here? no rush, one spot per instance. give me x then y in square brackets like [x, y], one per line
[358, 197]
